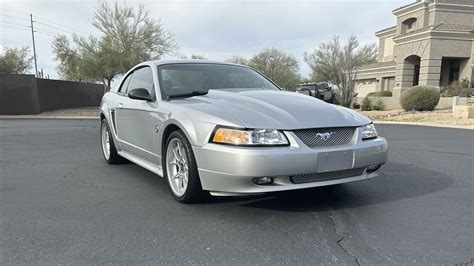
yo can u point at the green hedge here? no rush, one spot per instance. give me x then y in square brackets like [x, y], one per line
[380, 94]
[375, 104]
[378, 104]
[366, 104]
[420, 98]
[467, 92]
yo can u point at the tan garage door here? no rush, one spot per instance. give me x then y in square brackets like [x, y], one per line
[363, 87]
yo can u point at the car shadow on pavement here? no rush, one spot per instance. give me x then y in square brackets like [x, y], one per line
[395, 182]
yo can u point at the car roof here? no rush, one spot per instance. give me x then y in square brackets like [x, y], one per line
[187, 61]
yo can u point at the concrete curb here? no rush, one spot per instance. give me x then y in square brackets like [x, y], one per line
[426, 124]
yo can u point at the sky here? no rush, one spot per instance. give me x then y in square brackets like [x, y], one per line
[216, 29]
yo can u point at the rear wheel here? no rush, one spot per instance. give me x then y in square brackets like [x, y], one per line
[180, 169]
[108, 147]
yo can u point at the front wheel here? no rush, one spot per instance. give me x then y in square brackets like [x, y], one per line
[108, 147]
[180, 169]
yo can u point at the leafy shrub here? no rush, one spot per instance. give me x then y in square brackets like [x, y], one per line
[455, 88]
[420, 98]
[366, 104]
[467, 92]
[378, 104]
[380, 94]
[470, 101]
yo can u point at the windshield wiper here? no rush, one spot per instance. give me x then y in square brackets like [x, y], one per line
[187, 94]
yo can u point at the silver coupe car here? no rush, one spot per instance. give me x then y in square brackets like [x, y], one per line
[225, 129]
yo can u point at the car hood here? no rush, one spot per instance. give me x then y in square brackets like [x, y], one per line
[270, 109]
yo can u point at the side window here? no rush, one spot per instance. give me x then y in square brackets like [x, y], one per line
[123, 88]
[142, 78]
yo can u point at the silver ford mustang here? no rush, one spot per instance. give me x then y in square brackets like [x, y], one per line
[225, 129]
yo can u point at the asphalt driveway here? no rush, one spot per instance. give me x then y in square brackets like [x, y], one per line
[61, 203]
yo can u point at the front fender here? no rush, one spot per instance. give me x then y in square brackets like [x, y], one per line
[196, 125]
[197, 132]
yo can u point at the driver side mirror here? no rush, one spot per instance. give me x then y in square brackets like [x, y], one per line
[140, 94]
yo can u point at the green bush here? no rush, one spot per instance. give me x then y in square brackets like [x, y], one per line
[380, 94]
[378, 104]
[467, 92]
[366, 104]
[455, 88]
[420, 98]
[470, 101]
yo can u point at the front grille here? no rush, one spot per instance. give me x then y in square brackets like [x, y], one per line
[315, 177]
[339, 136]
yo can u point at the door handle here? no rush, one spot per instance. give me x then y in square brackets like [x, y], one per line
[120, 106]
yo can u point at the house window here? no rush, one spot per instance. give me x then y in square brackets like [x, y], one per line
[388, 83]
[409, 25]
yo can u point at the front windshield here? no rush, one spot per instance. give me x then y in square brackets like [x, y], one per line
[178, 79]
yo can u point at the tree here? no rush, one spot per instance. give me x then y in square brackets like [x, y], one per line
[15, 61]
[128, 37]
[237, 59]
[69, 60]
[198, 56]
[339, 64]
[193, 56]
[277, 66]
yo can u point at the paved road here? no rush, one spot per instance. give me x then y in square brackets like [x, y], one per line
[61, 203]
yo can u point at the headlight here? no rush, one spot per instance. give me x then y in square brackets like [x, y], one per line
[249, 137]
[368, 132]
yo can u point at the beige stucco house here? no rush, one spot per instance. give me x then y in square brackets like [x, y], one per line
[432, 44]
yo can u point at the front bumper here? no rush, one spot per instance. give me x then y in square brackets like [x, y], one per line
[228, 170]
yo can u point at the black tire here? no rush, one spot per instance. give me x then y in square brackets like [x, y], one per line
[113, 158]
[194, 192]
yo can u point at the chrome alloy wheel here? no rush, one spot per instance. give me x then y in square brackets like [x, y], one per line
[177, 167]
[105, 139]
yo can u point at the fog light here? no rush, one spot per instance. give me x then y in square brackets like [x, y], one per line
[372, 168]
[263, 180]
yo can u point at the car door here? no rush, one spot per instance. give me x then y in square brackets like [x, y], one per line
[136, 120]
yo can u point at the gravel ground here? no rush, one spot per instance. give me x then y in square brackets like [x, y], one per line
[74, 112]
[436, 116]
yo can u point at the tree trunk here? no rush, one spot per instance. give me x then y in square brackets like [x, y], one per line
[106, 83]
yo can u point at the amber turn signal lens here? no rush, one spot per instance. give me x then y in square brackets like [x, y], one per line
[231, 136]
[249, 137]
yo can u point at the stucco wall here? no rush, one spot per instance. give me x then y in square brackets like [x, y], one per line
[60, 94]
[18, 95]
[363, 87]
[421, 16]
[24, 94]
[450, 17]
[451, 48]
[457, 2]
[388, 49]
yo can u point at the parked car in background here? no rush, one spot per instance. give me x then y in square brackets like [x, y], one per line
[322, 91]
[224, 129]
